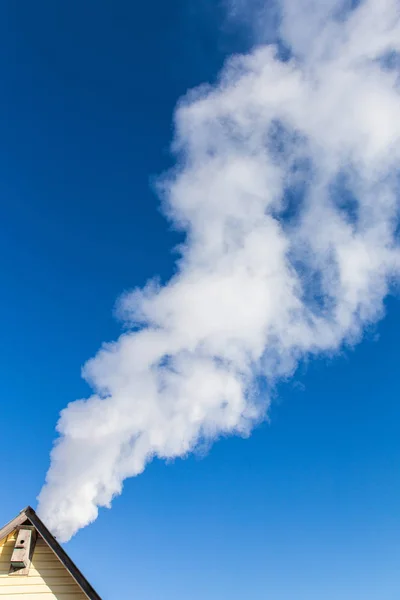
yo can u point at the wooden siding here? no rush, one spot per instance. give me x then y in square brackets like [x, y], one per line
[48, 579]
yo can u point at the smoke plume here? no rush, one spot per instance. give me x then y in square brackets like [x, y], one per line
[286, 185]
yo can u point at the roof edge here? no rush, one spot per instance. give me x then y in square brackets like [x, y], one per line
[29, 514]
[11, 525]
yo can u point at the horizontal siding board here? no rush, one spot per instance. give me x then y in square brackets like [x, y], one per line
[45, 555]
[35, 577]
[42, 569]
[48, 572]
[63, 579]
[41, 588]
[45, 560]
[67, 596]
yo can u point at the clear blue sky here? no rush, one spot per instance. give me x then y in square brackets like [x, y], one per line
[307, 507]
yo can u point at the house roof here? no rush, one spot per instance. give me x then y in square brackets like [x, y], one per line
[28, 516]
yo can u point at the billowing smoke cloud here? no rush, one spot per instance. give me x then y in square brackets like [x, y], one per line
[286, 186]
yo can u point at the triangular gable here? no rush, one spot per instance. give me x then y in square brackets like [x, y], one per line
[28, 517]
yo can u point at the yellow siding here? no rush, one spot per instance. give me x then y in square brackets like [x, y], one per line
[47, 580]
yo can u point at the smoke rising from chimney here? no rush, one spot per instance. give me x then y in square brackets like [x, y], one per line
[286, 185]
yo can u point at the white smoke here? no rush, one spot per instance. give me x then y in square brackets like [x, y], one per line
[286, 186]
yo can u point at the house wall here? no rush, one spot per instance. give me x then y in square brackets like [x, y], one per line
[47, 579]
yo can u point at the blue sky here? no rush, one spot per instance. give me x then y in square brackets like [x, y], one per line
[307, 506]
